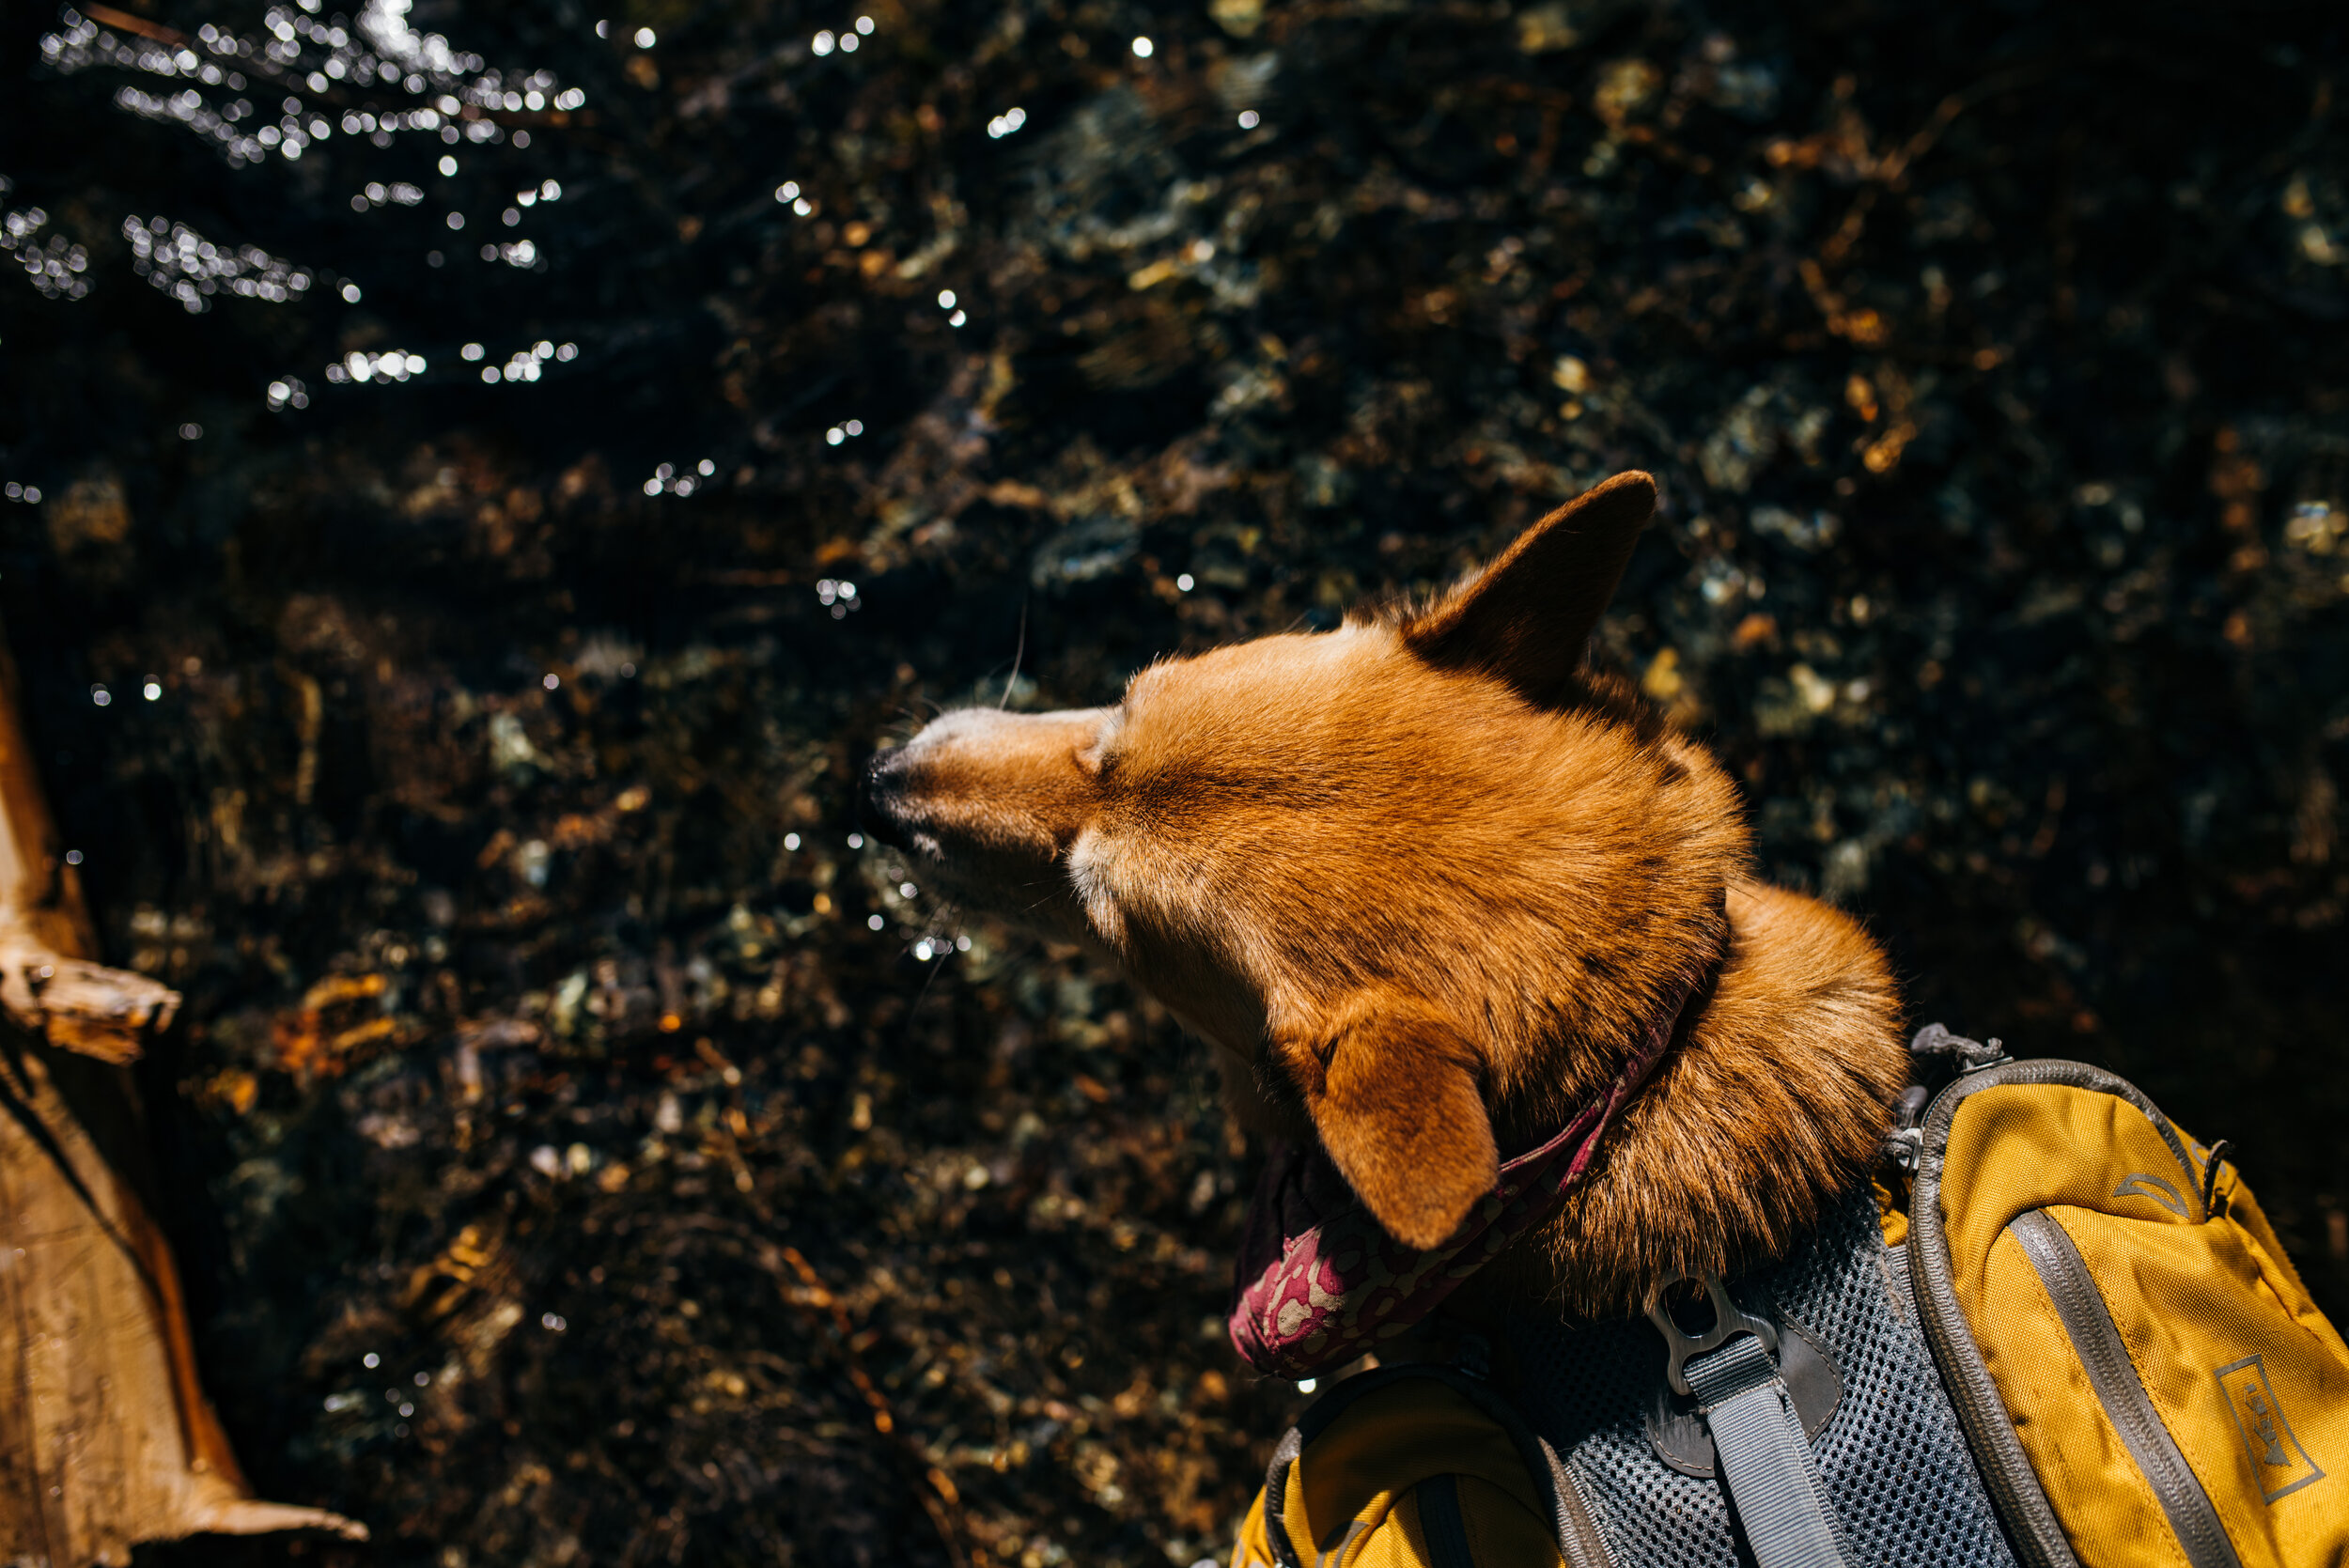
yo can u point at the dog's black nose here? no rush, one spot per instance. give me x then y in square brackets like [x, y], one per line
[876, 800]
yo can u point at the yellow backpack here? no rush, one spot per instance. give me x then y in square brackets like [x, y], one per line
[2139, 1374]
[1414, 1463]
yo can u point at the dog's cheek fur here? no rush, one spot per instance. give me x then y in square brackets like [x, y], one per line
[1393, 1091]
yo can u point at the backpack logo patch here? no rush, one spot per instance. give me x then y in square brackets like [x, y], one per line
[2278, 1460]
[2139, 1184]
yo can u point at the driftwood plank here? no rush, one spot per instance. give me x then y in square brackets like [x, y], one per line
[106, 1438]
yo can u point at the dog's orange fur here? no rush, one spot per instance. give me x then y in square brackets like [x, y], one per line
[1428, 877]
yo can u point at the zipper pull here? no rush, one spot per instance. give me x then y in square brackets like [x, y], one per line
[1971, 1055]
[2221, 1153]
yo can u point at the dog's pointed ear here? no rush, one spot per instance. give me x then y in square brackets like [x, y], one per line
[1393, 1090]
[1528, 617]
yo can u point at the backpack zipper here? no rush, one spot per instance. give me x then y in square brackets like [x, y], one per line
[2072, 1290]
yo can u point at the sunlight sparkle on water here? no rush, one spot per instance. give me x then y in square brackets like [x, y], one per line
[191, 269]
[55, 266]
[379, 55]
[667, 478]
[392, 364]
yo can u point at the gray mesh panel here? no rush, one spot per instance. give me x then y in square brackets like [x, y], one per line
[1895, 1464]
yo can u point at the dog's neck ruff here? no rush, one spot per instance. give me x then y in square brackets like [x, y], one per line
[1318, 1282]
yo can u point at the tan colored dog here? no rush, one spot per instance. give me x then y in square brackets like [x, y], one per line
[1428, 875]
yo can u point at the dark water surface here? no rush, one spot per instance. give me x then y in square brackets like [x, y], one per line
[575, 1127]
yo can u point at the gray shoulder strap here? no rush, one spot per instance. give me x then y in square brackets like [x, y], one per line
[1765, 1458]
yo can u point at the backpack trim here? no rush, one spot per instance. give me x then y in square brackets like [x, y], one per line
[1570, 1521]
[2006, 1472]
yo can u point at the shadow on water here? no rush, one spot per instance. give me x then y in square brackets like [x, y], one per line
[528, 465]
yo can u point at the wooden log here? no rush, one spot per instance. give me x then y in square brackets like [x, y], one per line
[107, 1439]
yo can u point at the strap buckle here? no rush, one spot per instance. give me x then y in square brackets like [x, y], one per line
[1729, 1321]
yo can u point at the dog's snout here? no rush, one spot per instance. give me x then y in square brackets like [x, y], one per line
[877, 788]
[981, 786]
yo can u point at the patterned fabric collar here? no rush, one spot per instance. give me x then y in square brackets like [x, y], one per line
[1318, 1282]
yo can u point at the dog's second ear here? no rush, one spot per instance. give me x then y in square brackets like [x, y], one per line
[1527, 618]
[1391, 1088]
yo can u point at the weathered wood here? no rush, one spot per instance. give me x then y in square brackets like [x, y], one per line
[106, 1438]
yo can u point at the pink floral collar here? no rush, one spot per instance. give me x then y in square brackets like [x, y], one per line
[1318, 1282]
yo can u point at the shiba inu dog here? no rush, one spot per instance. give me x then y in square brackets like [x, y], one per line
[1424, 880]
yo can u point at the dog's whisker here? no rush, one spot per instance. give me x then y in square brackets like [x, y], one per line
[1018, 652]
[922, 995]
[915, 713]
